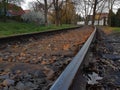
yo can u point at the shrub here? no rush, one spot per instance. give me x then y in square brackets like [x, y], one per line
[36, 17]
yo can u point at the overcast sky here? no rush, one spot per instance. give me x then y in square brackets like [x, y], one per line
[25, 5]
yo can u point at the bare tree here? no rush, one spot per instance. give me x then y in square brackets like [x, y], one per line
[94, 11]
[39, 6]
[96, 7]
[57, 7]
[100, 8]
[111, 3]
[17, 2]
[84, 7]
[45, 10]
[35, 6]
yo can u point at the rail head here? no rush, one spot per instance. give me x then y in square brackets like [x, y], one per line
[65, 79]
[19, 37]
[34, 33]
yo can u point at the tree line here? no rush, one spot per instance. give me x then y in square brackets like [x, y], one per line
[55, 11]
[60, 9]
[114, 19]
[68, 11]
[91, 7]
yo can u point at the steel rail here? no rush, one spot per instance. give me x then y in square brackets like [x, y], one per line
[34, 33]
[28, 35]
[65, 79]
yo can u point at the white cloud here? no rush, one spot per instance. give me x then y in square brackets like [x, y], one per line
[25, 5]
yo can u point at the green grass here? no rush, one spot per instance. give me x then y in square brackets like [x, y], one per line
[16, 28]
[116, 29]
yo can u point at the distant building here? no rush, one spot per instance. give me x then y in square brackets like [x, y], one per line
[12, 10]
[100, 19]
[27, 11]
[80, 23]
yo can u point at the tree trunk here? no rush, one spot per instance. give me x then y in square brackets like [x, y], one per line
[86, 21]
[98, 22]
[104, 23]
[5, 10]
[46, 12]
[57, 12]
[57, 23]
[94, 12]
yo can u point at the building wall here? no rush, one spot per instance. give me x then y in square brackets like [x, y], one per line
[80, 23]
[101, 22]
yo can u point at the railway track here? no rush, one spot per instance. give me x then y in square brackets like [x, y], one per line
[25, 37]
[66, 78]
[95, 67]
[33, 62]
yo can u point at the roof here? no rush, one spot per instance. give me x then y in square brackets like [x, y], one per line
[98, 16]
[26, 11]
[15, 10]
[101, 15]
[16, 13]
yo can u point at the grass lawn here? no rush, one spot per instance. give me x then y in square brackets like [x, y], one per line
[16, 28]
[117, 29]
[108, 29]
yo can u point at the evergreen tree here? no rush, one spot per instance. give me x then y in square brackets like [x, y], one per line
[118, 18]
[111, 18]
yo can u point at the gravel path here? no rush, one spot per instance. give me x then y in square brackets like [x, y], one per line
[35, 64]
[104, 62]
